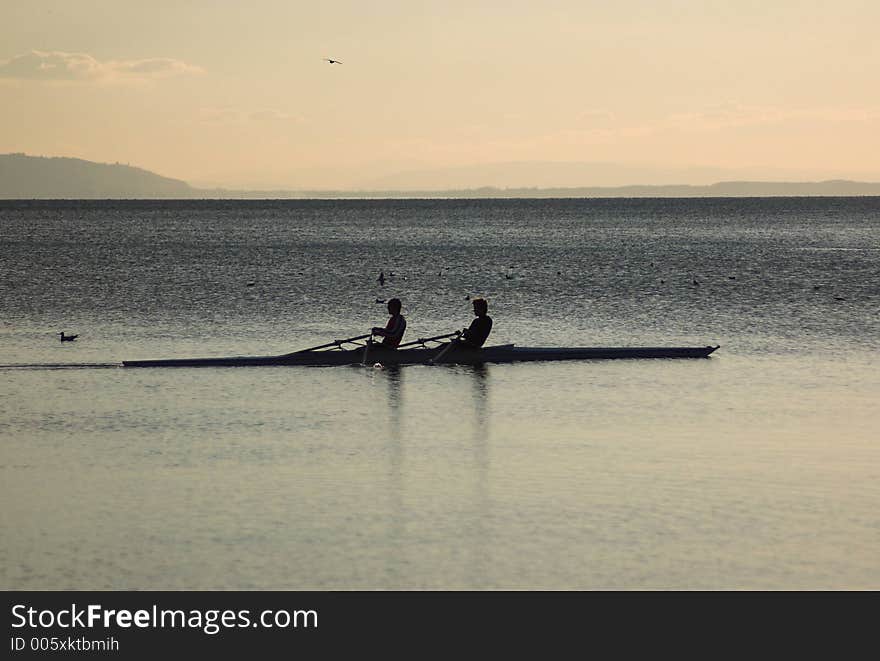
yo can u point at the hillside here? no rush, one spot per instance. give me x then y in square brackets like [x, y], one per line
[28, 177]
[834, 188]
[37, 177]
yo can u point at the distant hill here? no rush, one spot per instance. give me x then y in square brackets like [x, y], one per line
[514, 175]
[722, 189]
[28, 177]
[37, 177]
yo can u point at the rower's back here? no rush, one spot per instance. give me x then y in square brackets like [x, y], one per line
[478, 332]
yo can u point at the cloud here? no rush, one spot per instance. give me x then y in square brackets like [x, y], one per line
[219, 115]
[271, 115]
[57, 66]
[597, 115]
[238, 115]
[733, 115]
[156, 67]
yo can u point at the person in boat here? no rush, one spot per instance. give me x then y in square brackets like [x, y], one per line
[475, 335]
[393, 332]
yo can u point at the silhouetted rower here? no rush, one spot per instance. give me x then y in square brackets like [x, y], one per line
[476, 334]
[395, 328]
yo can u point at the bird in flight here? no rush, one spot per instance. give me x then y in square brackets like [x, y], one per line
[332, 61]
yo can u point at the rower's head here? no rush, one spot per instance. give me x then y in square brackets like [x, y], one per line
[481, 307]
[394, 306]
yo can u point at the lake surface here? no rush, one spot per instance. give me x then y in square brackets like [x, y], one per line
[756, 468]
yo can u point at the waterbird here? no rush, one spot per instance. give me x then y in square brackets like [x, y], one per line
[332, 61]
[251, 284]
[67, 338]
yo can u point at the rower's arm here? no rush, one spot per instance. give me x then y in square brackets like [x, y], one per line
[397, 329]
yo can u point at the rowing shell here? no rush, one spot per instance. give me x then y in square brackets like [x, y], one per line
[460, 355]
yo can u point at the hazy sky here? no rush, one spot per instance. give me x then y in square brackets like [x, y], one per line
[237, 94]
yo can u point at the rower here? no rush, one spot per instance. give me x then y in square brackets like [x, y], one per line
[475, 335]
[394, 329]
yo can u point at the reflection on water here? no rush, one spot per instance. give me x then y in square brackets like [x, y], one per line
[393, 376]
[473, 531]
[620, 474]
[479, 533]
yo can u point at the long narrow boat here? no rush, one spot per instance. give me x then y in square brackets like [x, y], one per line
[418, 352]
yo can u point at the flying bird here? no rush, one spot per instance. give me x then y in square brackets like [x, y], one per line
[332, 61]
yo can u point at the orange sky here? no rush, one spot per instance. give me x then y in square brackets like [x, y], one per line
[237, 94]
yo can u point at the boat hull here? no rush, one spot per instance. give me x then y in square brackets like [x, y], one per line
[457, 355]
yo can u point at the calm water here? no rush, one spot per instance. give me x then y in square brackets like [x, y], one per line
[757, 468]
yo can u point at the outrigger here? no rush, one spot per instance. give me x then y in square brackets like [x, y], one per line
[361, 350]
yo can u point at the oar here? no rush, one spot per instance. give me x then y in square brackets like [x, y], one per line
[440, 355]
[367, 350]
[334, 343]
[422, 340]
